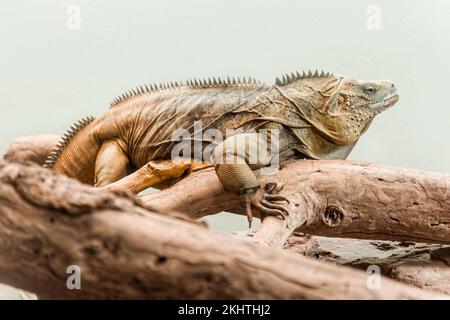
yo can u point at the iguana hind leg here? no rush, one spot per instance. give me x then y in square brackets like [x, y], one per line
[111, 164]
[111, 170]
[154, 173]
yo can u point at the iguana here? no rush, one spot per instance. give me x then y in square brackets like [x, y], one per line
[316, 116]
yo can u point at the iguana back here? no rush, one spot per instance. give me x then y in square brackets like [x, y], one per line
[143, 122]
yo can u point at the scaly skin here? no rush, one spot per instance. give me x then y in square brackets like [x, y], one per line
[129, 147]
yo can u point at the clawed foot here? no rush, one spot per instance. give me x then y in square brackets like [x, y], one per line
[262, 200]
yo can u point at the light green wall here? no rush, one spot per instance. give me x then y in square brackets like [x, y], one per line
[51, 76]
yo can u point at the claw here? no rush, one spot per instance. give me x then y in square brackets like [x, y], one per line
[273, 187]
[269, 187]
[261, 199]
[249, 213]
[246, 202]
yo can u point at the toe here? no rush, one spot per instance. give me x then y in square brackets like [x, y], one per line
[273, 197]
[269, 211]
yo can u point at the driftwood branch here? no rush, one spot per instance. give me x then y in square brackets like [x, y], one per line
[126, 251]
[334, 198]
[329, 198]
[423, 265]
[33, 149]
[378, 203]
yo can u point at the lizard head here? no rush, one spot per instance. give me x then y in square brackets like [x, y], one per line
[337, 108]
[365, 98]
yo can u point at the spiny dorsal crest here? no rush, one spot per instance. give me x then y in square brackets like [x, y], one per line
[191, 83]
[64, 141]
[286, 79]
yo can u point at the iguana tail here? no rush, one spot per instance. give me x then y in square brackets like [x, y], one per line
[76, 152]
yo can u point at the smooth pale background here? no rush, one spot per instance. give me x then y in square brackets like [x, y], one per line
[51, 76]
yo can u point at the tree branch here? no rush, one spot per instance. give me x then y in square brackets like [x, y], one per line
[423, 265]
[33, 149]
[126, 251]
[329, 198]
[334, 198]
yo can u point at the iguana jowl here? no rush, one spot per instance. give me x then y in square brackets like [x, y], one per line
[319, 116]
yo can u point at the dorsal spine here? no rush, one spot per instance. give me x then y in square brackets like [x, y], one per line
[64, 141]
[214, 83]
[288, 78]
[191, 83]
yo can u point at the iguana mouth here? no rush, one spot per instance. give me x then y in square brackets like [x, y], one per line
[390, 99]
[387, 101]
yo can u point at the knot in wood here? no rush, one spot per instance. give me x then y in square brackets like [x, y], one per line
[332, 216]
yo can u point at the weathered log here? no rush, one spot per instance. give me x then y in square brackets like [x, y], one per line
[431, 276]
[31, 149]
[334, 198]
[329, 198]
[423, 265]
[125, 251]
[361, 253]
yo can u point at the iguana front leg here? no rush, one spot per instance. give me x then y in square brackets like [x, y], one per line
[234, 160]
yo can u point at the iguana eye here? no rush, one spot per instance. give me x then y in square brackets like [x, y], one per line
[370, 90]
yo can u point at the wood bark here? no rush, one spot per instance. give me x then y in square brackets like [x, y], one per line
[126, 251]
[329, 198]
[423, 265]
[334, 198]
[33, 149]
[377, 202]
[380, 197]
